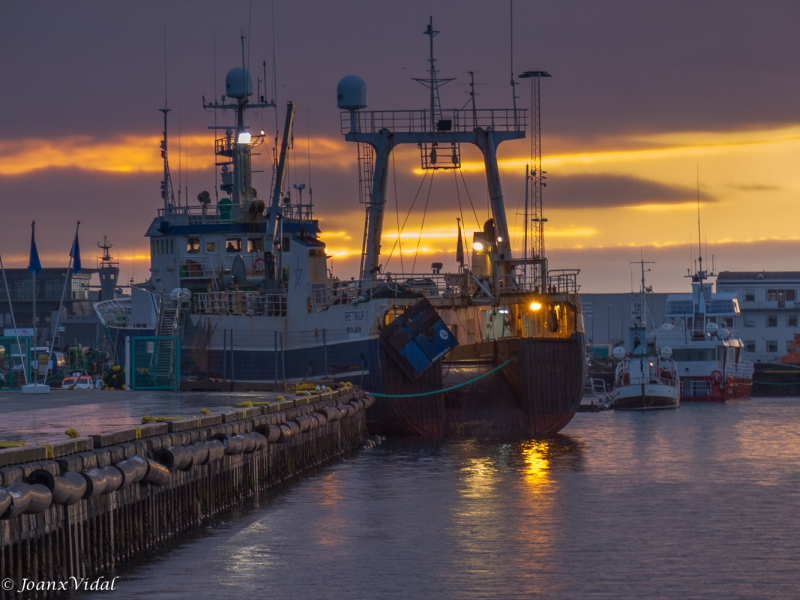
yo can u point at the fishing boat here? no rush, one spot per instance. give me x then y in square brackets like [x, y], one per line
[646, 378]
[708, 352]
[243, 284]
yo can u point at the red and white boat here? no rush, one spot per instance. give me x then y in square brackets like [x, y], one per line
[707, 351]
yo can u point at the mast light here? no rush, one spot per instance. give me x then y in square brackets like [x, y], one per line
[244, 137]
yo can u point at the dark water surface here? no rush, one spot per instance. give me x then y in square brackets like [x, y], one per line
[700, 502]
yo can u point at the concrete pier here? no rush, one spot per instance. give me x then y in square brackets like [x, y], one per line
[158, 479]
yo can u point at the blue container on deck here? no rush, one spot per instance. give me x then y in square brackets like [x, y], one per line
[417, 339]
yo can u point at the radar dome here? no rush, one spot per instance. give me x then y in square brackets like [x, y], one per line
[723, 334]
[238, 83]
[666, 352]
[619, 353]
[711, 327]
[351, 93]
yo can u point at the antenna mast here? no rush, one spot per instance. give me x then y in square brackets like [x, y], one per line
[433, 82]
[537, 176]
[167, 193]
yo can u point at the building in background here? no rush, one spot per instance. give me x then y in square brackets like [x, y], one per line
[769, 303]
[770, 308]
[78, 299]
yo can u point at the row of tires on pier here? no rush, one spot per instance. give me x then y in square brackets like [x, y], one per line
[43, 489]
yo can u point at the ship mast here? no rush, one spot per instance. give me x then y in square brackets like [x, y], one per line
[486, 129]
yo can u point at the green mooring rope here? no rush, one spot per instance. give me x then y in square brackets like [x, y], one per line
[447, 389]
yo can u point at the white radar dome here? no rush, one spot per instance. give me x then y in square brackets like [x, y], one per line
[711, 327]
[723, 334]
[666, 352]
[619, 353]
[238, 83]
[667, 327]
[351, 93]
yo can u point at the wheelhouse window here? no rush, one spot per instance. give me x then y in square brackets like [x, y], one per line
[255, 245]
[233, 245]
[193, 245]
[772, 345]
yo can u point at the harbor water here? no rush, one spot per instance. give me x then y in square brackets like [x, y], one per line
[698, 502]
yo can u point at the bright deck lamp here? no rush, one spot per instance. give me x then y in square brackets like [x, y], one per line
[534, 306]
[477, 246]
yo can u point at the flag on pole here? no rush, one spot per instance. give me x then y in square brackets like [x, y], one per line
[75, 254]
[460, 249]
[34, 264]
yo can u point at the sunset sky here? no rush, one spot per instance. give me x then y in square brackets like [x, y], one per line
[643, 95]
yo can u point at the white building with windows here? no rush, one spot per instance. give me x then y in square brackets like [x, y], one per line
[770, 308]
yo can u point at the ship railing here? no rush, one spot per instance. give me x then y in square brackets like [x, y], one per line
[113, 313]
[743, 369]
[654, 373]
[240, 303]
[563, 281]
[419, 121]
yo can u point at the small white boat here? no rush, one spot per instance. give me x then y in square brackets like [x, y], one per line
[646, 382]
[646, 378]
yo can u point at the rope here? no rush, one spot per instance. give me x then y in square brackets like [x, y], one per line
[422, 226]
[447, 389]
[408, 214]
[466, 189]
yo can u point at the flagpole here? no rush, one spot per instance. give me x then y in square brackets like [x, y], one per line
[33, 235]
[14, 322]
[60, 307]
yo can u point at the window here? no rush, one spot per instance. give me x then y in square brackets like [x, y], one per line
[286, 244]
[789, 344]
[255, 245]
[772, 345]
[749, 345]
[781, 295]
[749, 295]
[193, 245]
[233, 245]
[693, 354]
[791, 320]
[749, 320]
[772, 320]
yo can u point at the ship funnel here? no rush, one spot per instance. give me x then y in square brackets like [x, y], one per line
[351, 93]
[238, 83]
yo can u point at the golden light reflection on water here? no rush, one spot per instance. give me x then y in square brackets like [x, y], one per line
[328, 496]
[479, 477]
[537, 463]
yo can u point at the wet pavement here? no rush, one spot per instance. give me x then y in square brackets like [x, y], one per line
[43, 418]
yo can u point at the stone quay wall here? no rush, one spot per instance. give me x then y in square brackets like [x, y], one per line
[83, 507]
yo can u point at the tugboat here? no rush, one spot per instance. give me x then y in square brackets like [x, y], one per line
[646, 378]
[243, 284]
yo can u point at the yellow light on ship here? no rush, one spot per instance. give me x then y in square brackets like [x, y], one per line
[477, 246]
[534, 306]
[244, 137]
[499, 239]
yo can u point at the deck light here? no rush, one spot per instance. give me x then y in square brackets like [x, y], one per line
[244, 137]
[499, 239]
[477, 246]
[535, 306]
